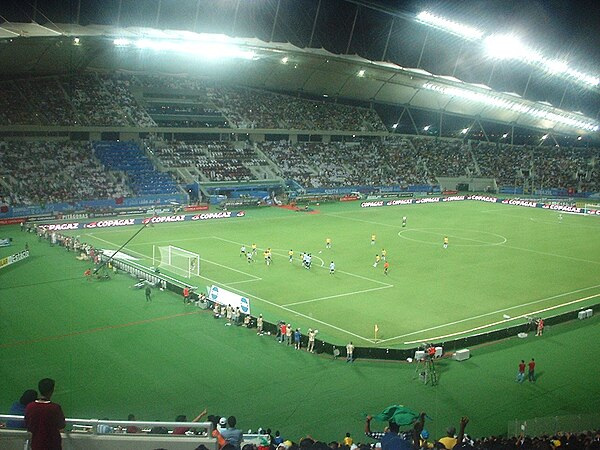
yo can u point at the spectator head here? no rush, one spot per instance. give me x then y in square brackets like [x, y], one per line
[451, 431]
[394, 427]
[249, 447]
[228, 446]
[223, 422]
[28, 396]
[46, 387]
[231, 421]
[131, 417]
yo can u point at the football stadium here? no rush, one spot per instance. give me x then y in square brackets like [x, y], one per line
[315, 224]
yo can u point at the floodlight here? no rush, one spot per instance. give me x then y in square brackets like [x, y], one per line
[505, 135]
[544, 137]
[464, 131]
[395, 126]
[76, 41]
[121, 42]
[506, 46]
[555, 66]
[498, 101]
[579, 138]
[284, 60]
[426, 127]
[458, 29]
[361, 73]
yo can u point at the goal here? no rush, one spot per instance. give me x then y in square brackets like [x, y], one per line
[177, 260]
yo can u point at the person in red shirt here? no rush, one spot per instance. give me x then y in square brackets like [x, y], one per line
[186, 295]
[183, 418]
[540, 327]
[521, 372]
[45, 419]
[531, 372]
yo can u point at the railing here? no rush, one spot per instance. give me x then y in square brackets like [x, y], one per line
[89, 434]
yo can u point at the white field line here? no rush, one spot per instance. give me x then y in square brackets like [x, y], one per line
[228, 285]
[254, 277]
[461, 238]
[245, 281]
[337, 271]
[492, 313]
[572, 258]
[503, 321]
[337, 296]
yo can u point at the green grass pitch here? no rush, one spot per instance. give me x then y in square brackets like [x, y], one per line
[501, 261]
[112, 353]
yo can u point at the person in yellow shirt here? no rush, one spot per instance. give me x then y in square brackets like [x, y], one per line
[254, 249]
[328, 243]
[373, 239]
[267, 257]
[348, 441]
[445, 241]
[383, 253]
[291, 255]
[377, 260]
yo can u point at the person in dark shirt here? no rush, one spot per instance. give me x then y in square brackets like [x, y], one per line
[45, 419]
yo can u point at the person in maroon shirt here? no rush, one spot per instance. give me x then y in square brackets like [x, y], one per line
[45, 419]
[531, 372]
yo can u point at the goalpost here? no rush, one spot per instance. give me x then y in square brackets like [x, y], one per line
[177, 260]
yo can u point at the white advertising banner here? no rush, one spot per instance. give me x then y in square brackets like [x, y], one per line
[225, 297]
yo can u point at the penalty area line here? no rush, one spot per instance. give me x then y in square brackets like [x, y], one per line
[338, 295]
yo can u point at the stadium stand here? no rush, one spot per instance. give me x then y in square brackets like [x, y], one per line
[69, 171]
[128, 157]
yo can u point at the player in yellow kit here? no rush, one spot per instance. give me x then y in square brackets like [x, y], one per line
[328, 243]
[377, 260]
[445, 241]
[291, 255]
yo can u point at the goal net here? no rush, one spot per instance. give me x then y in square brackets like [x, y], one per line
[177, 260]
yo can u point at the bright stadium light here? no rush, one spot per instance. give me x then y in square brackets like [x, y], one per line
[361, 73]
[426, 127]
[502, 102]
[121, 42]
[464, 131]
[458, 29]
[544, 137]
[505, 135]
[505, 46]
[209, 50]
[284, 60]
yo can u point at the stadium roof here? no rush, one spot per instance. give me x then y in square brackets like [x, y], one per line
[31, 49]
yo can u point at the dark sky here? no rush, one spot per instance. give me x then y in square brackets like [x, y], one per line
[567, 29]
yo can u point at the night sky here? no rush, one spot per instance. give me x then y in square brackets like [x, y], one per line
[568, 29]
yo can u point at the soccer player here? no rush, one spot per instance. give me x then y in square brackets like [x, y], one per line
[291, 255]
[386, 266]
[331, 268]
[328, 243]
[383, 253]
[445, 241]
[377, 260]
[373, 239]
[308, 261]
[243, 250]
[249, 257]
[266, 256]
[254, 249]
[560, 216]
[404, 222]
